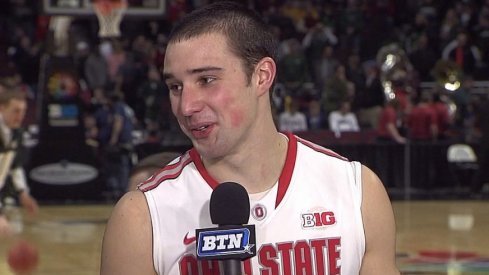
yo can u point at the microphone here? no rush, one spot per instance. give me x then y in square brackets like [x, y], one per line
[232, 241]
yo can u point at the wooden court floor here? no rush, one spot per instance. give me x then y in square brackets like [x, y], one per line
[433, 237]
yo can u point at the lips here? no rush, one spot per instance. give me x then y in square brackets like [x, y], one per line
[201, 128]
[201, 131]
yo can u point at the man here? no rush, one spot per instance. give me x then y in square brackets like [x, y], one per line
[13, 107]
[387, 129]
[220, 68]
[115, 121]
[343, 119]
[292, 119]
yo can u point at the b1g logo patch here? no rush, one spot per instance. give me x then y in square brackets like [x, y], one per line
[226, 242]
[318, 219]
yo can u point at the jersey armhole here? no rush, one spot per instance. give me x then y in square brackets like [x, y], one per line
[357, 197]
[153, 214]
[357, 177]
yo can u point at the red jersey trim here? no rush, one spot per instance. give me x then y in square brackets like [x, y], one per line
[321, 149]
[200, 167]
[287, 171]
[283, 181]
[171, 171]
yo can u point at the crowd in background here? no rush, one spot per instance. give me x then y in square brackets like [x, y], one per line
[344, 66]
[330, 63]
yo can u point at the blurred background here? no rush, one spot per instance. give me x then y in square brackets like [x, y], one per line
[402, 86]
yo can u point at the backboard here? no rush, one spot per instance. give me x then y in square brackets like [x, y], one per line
[138, 8]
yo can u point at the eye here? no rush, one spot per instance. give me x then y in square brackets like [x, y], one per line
[206, 79]
[174, 87]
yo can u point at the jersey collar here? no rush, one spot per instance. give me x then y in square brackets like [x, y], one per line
[283, 181]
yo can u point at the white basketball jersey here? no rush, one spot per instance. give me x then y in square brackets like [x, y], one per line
[309, 223]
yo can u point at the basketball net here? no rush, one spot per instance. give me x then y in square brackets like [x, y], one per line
[60, 26]
[109, 14]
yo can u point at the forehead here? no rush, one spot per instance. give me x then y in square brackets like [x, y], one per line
[14, 103]
[203, 50]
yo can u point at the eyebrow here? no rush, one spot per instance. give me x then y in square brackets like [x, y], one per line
[194, 71]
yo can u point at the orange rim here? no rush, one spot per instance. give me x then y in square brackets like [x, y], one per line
[105, 7]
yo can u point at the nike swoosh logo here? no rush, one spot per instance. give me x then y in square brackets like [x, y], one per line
[187, 240]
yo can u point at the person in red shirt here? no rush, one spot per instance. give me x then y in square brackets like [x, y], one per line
[388, 123]
[421, 121]
[422, 129]
[443, 117]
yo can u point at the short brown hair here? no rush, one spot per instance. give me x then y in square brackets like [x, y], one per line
[9, 95]
[248, 36]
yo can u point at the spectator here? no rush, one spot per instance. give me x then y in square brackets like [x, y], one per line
[368, 102]
[324, 66]
[336, 90]
[155, 106]
[317, 37]
[115, 58]
[80, 56]
[449, 26]
[314, 42]
[291, 119]
[96, 70]
[444, 119]
[463, 52]
[423, 24]
[390, 123]
[293, 67]
[355, 72]
[27, 59]
[421, 121]
[343, 119]
[423, 58]
[115, 122]
[159, 51]
[315, 116]
[461, 98]
[481, 40]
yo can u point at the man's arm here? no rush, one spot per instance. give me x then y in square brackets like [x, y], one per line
[5, 228]
[28, 202]
[392, 129]
[116, 129]
[380, 228]
[20, 183]
[127, 244]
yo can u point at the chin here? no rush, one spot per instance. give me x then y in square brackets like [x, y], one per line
[209, 152]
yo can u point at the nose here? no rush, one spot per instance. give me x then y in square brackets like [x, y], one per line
[191, 101]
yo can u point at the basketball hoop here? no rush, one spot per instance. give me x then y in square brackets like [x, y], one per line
[109, 14]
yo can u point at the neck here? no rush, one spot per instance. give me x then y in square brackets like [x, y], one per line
[257, 165]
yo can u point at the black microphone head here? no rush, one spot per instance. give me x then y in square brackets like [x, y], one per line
[230, 204]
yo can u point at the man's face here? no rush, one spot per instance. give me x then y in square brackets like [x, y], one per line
[209, 93]
[13, 113]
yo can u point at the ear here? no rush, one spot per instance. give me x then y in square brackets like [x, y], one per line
[265, 72]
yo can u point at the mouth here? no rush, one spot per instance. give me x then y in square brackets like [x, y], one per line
[200, 128]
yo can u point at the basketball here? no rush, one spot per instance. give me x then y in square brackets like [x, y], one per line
[23, 257]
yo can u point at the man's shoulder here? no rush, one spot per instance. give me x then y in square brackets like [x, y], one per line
[172, 173]
[133, 203]
[314, 150]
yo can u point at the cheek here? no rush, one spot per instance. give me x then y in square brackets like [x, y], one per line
[174, 105]
[235, 110]
[237, 117]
